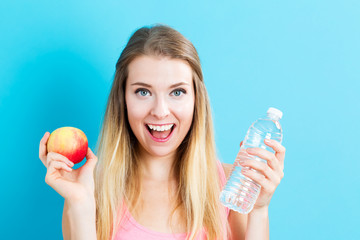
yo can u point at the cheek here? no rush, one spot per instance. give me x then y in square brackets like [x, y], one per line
[185, 111]
[136, 112]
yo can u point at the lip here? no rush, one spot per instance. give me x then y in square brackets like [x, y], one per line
[160, 139]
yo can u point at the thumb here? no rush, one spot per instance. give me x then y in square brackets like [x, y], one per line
[91, 159]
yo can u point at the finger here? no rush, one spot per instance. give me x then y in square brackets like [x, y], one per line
[42, 147]
[258, 178]
[266, 155]
[57, 165]
[278, 148]
[56, 180]
[263, 169]
[53, 156]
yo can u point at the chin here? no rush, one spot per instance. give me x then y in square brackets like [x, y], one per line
[160, 151]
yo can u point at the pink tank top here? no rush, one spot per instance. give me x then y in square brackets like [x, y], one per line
[131, 230]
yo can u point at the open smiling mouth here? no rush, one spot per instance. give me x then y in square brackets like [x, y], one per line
[160, 134]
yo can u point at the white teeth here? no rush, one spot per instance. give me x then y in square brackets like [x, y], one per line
[160, 129]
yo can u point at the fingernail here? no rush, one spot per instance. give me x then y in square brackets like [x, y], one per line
[267, 140]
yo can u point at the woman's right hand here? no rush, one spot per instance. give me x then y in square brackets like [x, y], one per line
[75, 185]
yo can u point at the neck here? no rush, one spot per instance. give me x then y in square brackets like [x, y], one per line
[155, 168]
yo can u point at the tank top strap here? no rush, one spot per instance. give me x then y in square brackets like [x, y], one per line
[222, 181]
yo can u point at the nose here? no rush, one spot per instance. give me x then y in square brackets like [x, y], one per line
[160, 108]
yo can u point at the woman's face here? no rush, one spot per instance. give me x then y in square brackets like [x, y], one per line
[160, 103]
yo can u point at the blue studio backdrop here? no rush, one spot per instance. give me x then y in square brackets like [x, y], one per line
[57, 63]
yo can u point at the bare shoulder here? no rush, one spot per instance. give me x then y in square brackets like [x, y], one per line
[227, 168]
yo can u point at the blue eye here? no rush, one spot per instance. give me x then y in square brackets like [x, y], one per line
[143, 92]
[177, 92]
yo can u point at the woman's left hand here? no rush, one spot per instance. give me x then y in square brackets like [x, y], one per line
[269, 174]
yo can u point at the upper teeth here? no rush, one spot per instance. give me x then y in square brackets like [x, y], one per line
[160, 128]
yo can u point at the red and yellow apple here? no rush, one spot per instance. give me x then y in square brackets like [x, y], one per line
[70, 142]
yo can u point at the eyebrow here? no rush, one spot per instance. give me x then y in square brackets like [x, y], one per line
[149, 86]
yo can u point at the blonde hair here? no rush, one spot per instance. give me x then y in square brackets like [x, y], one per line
[117, 176]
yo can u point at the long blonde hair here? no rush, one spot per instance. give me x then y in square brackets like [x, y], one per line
[117, 175]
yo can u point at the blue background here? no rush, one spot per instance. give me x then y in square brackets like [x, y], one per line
[57, 61]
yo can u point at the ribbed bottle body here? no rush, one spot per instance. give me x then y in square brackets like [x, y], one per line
[240, 192]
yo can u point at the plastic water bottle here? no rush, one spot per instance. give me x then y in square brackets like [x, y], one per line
[240, 192]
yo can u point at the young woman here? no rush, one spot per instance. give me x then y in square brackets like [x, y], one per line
[158, 176]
